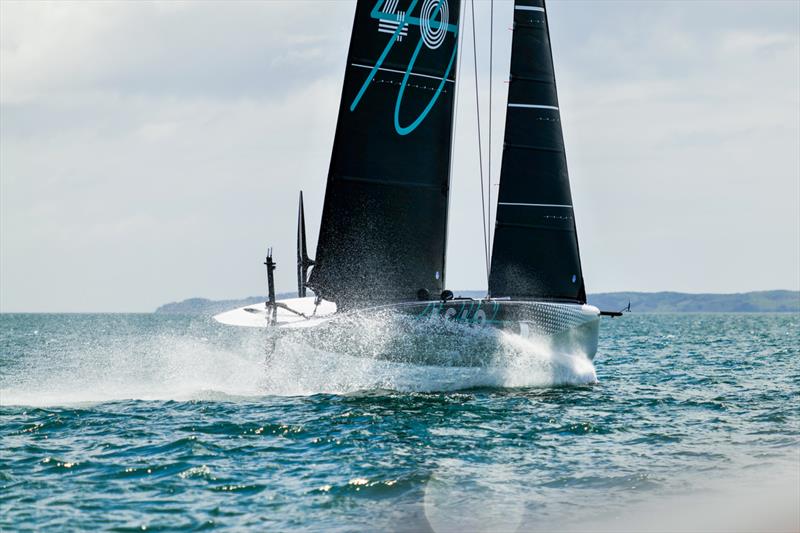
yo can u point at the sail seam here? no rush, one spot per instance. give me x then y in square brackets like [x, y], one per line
[393, 183]
[534, 205]
[403, 72]
[534, 106]
[501, 225]
[533, 147]
[522, 26]
[532, 79]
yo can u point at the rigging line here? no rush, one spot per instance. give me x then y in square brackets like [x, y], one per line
[489, 184]
[480, 148]
[462, 17]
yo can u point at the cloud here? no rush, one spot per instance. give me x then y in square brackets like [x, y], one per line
[151, 151]
[51, 49]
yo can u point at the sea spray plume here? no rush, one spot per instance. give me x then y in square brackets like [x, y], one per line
[391, 351]
[134, 357]
[122, 357]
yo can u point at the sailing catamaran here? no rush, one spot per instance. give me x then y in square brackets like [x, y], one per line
[383, 231]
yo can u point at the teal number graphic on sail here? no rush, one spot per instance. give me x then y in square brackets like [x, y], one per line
[432, 34]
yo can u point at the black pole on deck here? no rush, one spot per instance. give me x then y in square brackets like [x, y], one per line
[271, 304]
[303, 262]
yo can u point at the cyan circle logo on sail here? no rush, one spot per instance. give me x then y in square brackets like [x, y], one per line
[434, 36]
[434, 24]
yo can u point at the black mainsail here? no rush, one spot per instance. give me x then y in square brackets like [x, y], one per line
[384, 222]
[535, 251]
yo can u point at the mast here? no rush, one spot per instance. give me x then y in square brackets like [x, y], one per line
[303, 261]
[535, 252]
[384, 221]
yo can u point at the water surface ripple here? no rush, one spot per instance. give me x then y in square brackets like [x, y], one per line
[126, 422]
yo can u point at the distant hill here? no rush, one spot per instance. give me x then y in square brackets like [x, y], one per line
[641, 302]
[674, 302]
[204, 306]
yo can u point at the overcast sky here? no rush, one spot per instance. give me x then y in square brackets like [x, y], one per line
[150, 152]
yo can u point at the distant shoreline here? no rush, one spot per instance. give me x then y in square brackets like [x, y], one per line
[777, 301]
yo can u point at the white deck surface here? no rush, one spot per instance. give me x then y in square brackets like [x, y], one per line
[255, 316]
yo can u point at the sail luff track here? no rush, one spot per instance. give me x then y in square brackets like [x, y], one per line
[535, 250]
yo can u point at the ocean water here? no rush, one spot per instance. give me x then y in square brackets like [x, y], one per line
[157, 422]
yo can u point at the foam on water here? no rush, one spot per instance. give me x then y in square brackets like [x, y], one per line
[210, 362]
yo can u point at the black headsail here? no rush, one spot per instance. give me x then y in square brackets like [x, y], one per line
[535, 251]
[384, 222]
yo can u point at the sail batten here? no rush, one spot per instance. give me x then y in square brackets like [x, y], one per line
[535, 251]
[383, 228]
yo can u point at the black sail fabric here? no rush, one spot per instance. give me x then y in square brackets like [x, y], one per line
[535, 250]
[384, 222]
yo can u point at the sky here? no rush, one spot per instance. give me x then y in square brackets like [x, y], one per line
[150, 152]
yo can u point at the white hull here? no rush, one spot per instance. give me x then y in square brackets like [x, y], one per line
[433, 328]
